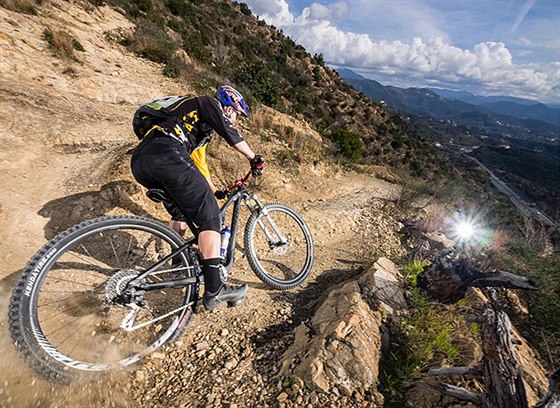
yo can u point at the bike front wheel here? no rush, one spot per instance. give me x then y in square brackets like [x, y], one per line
[70, 312]
[279, 246]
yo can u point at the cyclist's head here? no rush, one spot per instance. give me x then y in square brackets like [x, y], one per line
[228, 96]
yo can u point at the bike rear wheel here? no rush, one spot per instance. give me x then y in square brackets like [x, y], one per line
[279, 246]
[65, 314]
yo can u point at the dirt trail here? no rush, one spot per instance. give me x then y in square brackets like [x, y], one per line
[63, 141]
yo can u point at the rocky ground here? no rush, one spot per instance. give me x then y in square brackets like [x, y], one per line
[64, 136]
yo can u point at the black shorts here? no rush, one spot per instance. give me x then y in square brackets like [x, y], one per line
[165, 163]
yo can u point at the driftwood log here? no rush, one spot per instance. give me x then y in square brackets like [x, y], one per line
[449, 276]
[552, 397]
[447, 279]
[499, 368]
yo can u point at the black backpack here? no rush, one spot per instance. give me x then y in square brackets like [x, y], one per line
[153, 113]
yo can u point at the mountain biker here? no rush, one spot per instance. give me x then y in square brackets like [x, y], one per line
[172, 157]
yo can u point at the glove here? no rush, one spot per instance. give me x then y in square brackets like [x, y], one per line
[220, 194]
[257, 165]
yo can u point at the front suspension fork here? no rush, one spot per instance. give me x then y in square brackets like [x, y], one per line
[276, 237]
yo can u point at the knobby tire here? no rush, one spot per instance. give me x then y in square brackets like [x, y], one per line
[24, 313]
[285, 266]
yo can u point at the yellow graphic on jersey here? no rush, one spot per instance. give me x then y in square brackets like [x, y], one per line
[199, 158]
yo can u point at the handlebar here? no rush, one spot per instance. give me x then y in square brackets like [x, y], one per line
[239, 183]
[236, 185]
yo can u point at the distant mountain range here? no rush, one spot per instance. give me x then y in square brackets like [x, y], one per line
[510, 116]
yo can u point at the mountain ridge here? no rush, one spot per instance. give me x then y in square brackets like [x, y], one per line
[462, 106]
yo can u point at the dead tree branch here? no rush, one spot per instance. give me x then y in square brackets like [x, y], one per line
[458, 393]
[503, 382]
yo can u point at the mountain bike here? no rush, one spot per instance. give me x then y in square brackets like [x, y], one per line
[107, 292]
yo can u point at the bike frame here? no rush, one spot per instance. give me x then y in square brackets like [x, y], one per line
[237, 195]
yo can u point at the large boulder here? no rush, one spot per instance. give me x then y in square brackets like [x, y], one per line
[339, 350]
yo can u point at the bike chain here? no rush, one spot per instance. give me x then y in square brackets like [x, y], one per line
[182, 268]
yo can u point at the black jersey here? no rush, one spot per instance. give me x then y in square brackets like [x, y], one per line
[193, 120]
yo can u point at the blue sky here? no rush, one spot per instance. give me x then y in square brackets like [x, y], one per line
[490, 47]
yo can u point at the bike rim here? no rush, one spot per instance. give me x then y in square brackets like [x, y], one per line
[283, 249]
[72, 320]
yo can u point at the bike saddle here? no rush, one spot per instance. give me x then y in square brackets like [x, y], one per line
[157, 195]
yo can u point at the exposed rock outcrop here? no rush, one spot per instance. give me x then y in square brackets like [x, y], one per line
[340, 349]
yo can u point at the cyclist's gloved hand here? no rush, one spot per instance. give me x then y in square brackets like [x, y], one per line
[257, 165]
[220, 194]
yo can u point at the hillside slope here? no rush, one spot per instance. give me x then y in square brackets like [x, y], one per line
[66, 130]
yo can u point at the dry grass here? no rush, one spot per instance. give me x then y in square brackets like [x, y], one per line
[257, 119]
[434, 219]
[21, 6]
[62, 44]
[301, 141]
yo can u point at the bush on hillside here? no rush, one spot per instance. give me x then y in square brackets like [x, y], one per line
[62, 44]
[22, 6]
[152, 42]
[176, 67]
[262, 83]
[144, 5]
[349, 144]
[245, 9]
[180, 8]
[196, 45]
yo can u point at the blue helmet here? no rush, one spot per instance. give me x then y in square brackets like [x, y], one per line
[228, 96]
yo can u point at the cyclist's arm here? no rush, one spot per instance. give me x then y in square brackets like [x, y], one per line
[244, 149]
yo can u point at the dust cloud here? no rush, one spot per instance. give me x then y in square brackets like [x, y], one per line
[20, 386]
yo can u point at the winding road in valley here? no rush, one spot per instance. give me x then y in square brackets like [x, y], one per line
[526, 208]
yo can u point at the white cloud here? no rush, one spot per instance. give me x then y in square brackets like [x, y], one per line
[318, 11]
[487, 66]
[274, 12]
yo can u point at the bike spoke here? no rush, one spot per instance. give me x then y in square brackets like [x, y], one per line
[279, 246]
[80, 301]
[86, 261]
[72, 332]
[114, 251]
[87, 252]
[68, 281]
[128, 251]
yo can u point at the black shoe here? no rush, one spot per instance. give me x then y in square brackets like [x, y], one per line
[233, 295]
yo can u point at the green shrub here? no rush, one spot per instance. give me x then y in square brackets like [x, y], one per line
[175, 67]
[77, 45]
[195, 44]
[263, 85]
[349, 144]
[319, 59]
[21, 6]
[151, 42]
[180, 8]
[245, 9]
[144, 5]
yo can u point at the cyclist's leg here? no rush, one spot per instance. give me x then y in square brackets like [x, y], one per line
[180, 227]
[174, 170]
